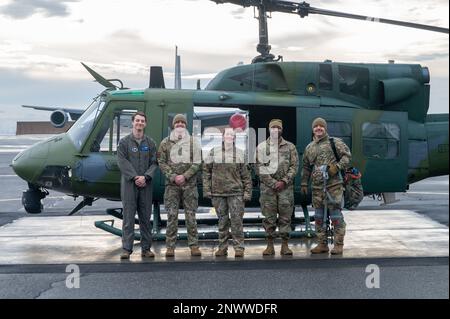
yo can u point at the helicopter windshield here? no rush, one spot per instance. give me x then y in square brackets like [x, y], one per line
[83, 126]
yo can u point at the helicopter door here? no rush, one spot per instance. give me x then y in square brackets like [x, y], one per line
[381, 148]
[162, 107]
[98, 165]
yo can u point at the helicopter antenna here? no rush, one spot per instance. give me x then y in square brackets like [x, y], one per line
[303, 9]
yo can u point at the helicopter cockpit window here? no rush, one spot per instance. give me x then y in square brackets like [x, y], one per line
[325, 77]
[381, 140]
[354, 81]
[343, 130]
[83, 126]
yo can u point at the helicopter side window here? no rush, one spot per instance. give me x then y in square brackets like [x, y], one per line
[354, 81]
[342, 130]
[325, 77]
[381, 140]
[112, 131]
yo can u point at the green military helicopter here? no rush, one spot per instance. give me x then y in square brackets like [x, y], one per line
[379, 110]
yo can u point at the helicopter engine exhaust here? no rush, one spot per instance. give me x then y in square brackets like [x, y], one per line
[59, 118]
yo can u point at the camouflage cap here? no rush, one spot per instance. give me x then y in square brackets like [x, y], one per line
[178, 118]
[276, 122]
[319, 121]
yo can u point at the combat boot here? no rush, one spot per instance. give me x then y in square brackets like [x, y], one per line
[221, 252]
[339, 233]
[239, 253]
[321, 248]
[148, 254]
[170, 252]
[285, 248]
[338, 248]
[270, 250]
[125, 254]
[195, 251]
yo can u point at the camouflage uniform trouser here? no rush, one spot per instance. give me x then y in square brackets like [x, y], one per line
[173, 197]
[333, 211]
[230, 211]
[140, 200]
[277, 204]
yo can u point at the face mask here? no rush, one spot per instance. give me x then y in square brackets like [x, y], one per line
[179, 131]
[274, 134]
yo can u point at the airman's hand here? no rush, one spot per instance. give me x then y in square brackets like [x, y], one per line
[140, 181]
[247, 197]
[279, 186]
[180, 180]
[207, 195]
[333, 169]
[304, 190]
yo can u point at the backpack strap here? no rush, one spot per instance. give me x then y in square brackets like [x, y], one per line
[333, 147]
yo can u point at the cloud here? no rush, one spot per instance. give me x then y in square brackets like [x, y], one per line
[22, 9]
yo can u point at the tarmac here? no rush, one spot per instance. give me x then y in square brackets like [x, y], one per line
[408, 240]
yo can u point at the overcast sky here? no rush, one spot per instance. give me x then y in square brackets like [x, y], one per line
[43, 41]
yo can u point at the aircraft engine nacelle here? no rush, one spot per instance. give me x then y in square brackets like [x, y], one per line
[59, 118]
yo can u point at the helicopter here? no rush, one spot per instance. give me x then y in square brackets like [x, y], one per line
[379, 110]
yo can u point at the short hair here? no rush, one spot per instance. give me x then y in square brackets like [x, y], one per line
[139, 113]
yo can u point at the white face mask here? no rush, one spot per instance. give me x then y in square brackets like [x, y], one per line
[179, 131]
[274, 133]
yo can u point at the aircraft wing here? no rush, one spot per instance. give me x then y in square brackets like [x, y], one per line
[74, 113]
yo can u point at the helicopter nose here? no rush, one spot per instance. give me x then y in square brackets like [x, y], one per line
[26, 165]
[19, 165]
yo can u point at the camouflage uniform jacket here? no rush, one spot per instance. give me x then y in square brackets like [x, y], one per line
[319, 152]
[285, 169]
[179, 160]
[226, 174]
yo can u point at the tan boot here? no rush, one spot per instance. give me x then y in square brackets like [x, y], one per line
[148, 254]
[170, 252]
[339, 234]
[221, 252]
[125, 254]
[321, 248]
[338, 248]
[270, 250]
[195, 251]
[239, 253]
[285, 251]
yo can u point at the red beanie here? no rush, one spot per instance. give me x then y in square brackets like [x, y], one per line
[238, 121]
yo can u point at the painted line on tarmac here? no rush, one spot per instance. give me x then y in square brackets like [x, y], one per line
[428, 193]
[12, 151]
[19, 199]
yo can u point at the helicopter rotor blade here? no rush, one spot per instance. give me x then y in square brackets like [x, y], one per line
[303, 9]
[313, 10]
[100, 79]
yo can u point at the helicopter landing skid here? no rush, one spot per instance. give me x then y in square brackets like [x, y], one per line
[108, 226]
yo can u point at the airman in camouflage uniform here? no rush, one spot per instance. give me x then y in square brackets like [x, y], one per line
[177, 160]
[227, 181]
[319, 152]
[277, 164]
